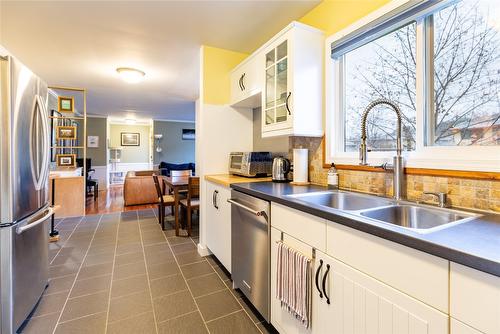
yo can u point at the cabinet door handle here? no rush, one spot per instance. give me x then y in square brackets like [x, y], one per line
[243, 82]
[216, 193]
[239, 82]
[317, 278]
[286, 103]
[324, 283]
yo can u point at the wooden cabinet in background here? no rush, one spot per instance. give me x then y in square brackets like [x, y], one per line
[69, 195]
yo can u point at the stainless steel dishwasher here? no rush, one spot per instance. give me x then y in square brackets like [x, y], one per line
[251, 249]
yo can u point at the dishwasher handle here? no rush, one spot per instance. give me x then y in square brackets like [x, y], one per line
[258, 213]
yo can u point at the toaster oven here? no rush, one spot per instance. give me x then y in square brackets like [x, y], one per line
[250, 164]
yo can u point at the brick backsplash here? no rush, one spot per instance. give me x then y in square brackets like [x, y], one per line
[465, 193]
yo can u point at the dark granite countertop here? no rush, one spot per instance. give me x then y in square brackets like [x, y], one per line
[474, 243]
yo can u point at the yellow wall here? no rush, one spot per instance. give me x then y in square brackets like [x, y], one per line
[217, 63]
[329, 16]
[334, 15]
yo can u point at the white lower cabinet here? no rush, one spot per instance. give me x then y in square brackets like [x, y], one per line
[361, 304]
[358, 303]
[218, 220]
[281, 319]
[458, 327]
[475, 299]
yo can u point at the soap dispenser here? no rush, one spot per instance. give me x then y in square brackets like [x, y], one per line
[333, 177]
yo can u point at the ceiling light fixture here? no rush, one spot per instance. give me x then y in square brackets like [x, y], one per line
[130, 75]
[130, 121]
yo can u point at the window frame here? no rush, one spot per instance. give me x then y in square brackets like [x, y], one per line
[479, 158]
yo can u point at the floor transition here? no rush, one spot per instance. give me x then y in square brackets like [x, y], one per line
[119, 273]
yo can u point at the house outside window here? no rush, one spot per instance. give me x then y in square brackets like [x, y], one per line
[440, 62]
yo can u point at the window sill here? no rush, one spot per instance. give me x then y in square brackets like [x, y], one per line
[477, 175]
[350, 164]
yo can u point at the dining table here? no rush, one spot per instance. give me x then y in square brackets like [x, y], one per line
[177, 184]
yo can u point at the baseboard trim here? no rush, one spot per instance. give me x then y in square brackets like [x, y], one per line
[203, 250]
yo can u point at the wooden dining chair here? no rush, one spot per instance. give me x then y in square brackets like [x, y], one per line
[192, 202]
[163, 201]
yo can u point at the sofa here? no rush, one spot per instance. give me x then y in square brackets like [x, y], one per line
[165, 167]
[139, 188]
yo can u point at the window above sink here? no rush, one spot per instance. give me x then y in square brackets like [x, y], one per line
[438, 60]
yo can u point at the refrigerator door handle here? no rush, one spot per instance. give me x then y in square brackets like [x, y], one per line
[39, 169]
[29, 225]
[44, 174]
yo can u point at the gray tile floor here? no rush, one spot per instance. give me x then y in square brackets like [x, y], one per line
[119, 273]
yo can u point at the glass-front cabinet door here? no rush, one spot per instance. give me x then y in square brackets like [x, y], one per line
[276, 107]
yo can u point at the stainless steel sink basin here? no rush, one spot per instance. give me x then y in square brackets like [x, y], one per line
[342, 200]
[416, 217]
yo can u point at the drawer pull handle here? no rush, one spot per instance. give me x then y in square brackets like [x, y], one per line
[317, 278]
[214, 198]
[324, 284]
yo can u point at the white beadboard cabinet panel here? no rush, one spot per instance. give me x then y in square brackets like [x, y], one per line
[418, 274]
[305, 227]
[475, 298]
[362, 304]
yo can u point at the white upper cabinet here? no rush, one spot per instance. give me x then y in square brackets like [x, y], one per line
[292, 93]
[246, 82]
[285, 78]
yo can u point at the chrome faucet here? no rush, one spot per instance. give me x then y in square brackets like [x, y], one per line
[398, 182]
[441, 197]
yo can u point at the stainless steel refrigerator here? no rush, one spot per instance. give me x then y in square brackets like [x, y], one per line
[24, 203]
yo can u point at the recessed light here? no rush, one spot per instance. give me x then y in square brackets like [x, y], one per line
[130, 75]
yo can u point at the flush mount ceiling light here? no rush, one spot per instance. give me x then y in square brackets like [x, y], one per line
[130, 75]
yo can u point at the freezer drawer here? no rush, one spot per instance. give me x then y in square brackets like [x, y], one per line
[24, 268]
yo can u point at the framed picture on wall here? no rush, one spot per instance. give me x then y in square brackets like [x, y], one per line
[130, 139]
[188, 134]
[66, 160]
[93, 141]
[66, 104]
[65, 132]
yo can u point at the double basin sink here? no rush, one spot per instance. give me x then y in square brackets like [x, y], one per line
[407, 215]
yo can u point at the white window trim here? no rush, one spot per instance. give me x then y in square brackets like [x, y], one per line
[472, 158]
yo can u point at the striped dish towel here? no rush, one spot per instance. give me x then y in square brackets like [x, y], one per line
[293, 284]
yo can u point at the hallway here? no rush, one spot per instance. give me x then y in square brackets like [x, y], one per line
[119, 273]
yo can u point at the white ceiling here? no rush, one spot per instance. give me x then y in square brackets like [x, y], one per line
[81, 43]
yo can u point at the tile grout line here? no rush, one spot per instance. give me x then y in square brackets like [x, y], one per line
[130, 317]
[78, 318]
[178, 316]
[237, 300]
[225, 315]
[112, 273]
[147, 273]
[203, 275]
[78, 272]
[184, 278]
[211, 293]
[64, 243]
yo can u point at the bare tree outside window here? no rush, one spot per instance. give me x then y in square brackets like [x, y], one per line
[466, 75]
[466, 81]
